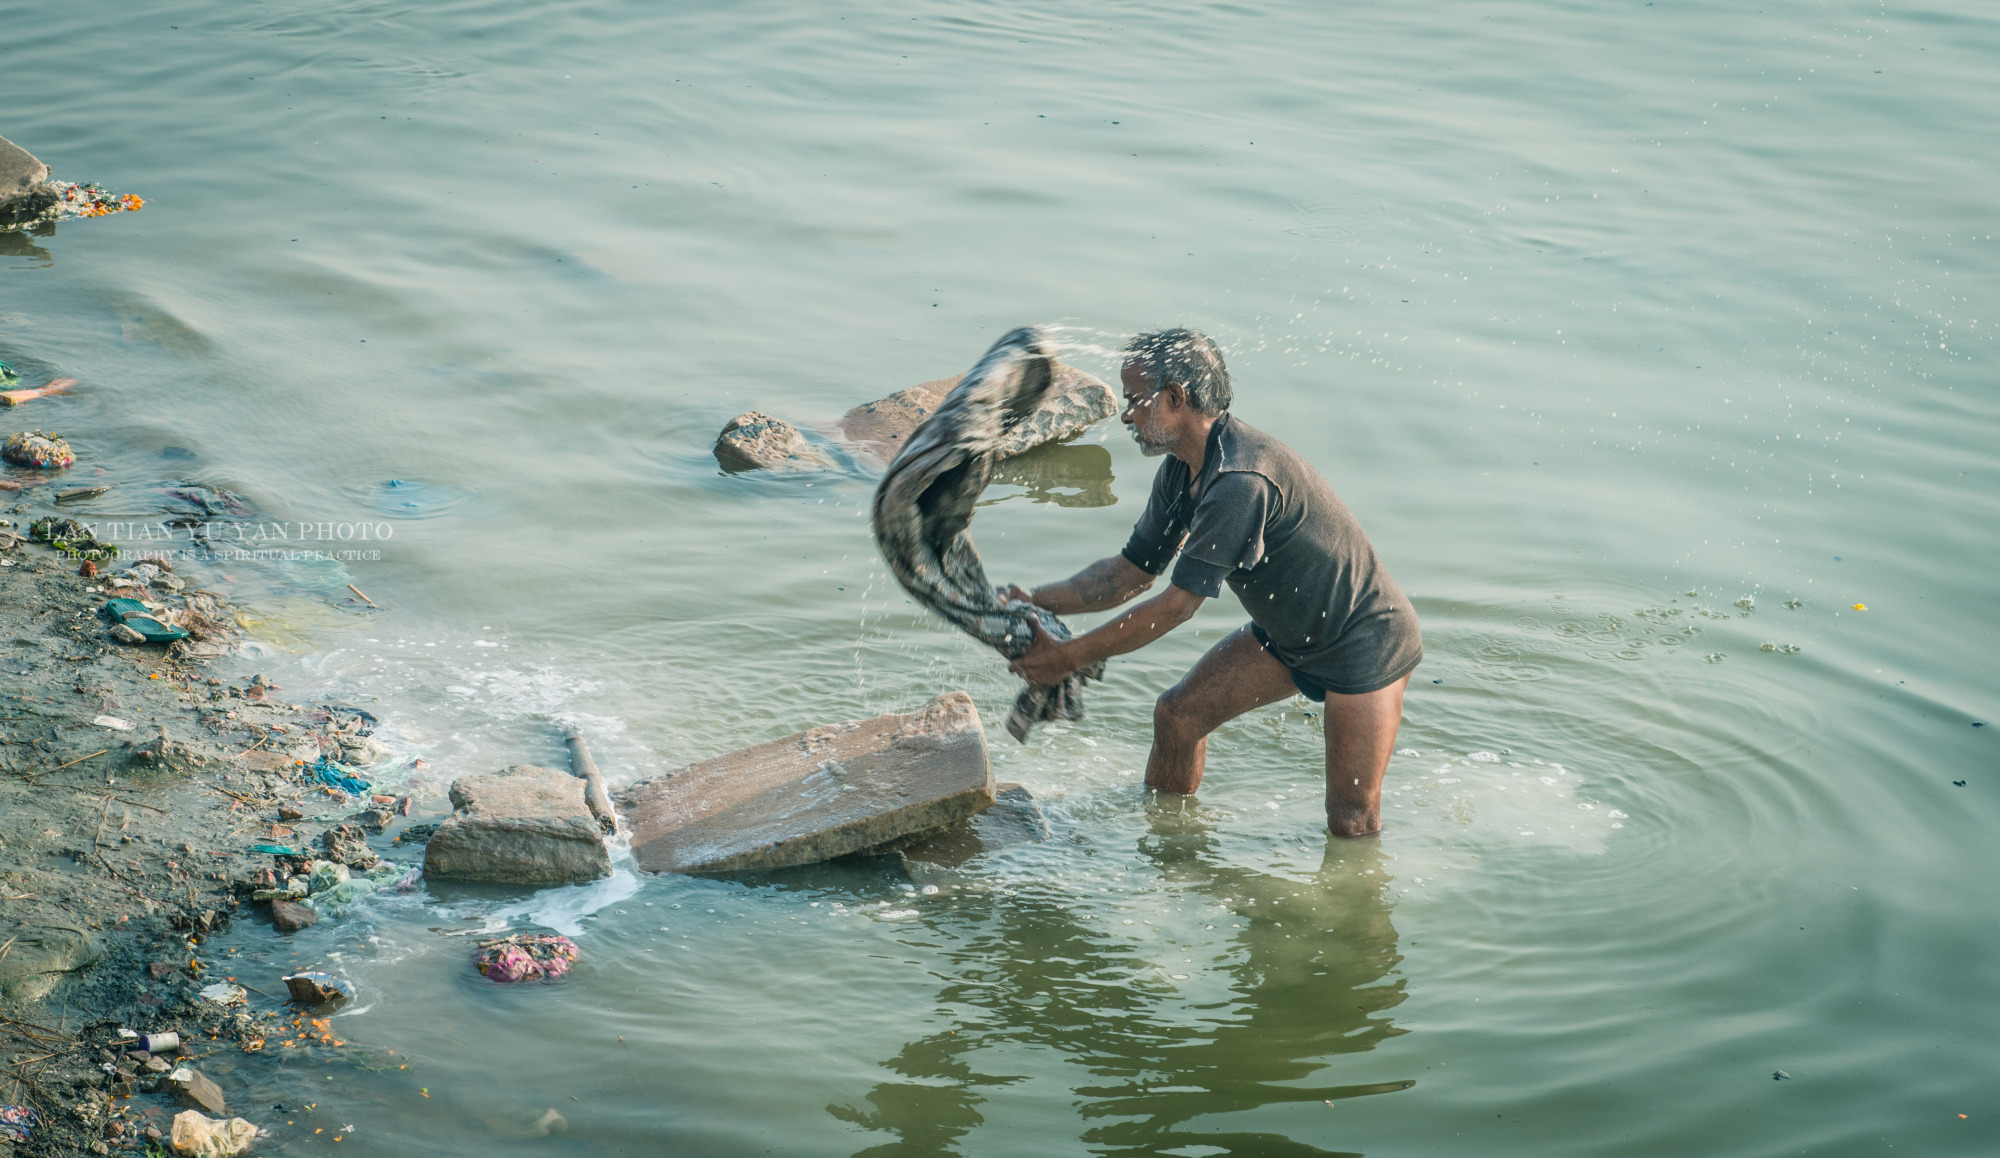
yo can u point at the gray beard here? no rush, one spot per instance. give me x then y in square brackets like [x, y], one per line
[1148, 448]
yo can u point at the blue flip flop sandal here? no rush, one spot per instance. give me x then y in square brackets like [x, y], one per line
[134, 615]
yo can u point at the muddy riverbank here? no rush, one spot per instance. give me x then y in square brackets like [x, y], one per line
[136, 783]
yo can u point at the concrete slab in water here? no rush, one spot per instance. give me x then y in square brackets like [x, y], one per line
[522, 825]
[828, 792]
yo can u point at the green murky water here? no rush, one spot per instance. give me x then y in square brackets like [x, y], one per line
[1646, 340]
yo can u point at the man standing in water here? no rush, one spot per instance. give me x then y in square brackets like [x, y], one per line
[1241, 507]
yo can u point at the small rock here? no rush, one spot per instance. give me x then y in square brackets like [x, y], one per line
[24, 184]
[195, 1090]
[160, 969]
[157, 1066]
[290, 916]
[754, 441]
[124, 634]
[375, 820]
[291, 812]
[88, 570]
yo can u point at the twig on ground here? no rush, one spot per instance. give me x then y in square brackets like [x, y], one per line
[78, 760]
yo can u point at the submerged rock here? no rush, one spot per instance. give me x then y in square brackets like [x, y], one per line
[290, 916]
[521, 825]
[754, 441]
[828, 792]
[1014, 819]
[1074, 402]
[24, 185]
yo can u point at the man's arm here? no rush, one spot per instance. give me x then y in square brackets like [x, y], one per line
[1049, 660]
[1099, 587]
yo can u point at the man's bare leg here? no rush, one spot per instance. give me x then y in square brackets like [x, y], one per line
[1235, 676]
[1360, 738]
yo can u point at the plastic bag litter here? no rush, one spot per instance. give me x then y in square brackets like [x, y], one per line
[17, 1122]
[326, 875]
[197, 1134]
[334, 775]
[525, 957]
[336, 899]
[223, 993]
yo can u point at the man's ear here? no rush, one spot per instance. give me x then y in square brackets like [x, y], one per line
[1174, 394]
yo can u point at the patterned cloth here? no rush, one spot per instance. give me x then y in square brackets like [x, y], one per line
[925, 504]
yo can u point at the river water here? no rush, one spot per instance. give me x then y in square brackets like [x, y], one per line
[1647, 341]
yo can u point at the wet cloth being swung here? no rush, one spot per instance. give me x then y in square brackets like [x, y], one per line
[925, 503]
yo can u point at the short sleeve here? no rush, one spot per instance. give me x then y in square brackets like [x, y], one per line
[1163, 524]
[1227, 534]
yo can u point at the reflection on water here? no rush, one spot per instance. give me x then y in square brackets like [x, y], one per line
[1302, 979]
[1068, 476]
[15, 243]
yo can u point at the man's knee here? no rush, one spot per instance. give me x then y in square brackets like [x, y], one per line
[1173, 716]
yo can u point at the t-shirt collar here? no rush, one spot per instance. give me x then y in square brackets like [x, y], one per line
[1211, 455]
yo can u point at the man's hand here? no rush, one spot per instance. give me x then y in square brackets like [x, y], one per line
[1046, 661]
[1012, 593]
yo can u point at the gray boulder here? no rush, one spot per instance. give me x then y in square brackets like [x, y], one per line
[754, 441]
[1075, 401]
[810, 797]
[522, 825]
[24, 191]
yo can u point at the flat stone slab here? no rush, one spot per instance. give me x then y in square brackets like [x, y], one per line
[820, 794]
[1075, 401]
[1014, 819]
[522, 825]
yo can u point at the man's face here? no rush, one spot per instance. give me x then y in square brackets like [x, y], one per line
[1144, 414]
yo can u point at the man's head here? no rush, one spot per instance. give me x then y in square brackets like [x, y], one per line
[1174, 381]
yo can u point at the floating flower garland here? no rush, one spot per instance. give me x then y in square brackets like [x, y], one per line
[89, 200]
[86, 200]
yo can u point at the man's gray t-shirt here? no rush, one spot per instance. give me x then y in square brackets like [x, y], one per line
[1267, 524]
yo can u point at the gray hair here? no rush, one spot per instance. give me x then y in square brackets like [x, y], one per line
[1187, 357]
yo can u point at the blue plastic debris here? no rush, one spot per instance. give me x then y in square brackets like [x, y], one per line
[335, 776]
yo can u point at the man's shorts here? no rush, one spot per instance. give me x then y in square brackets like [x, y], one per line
[1309, 687]
[1316, 691]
